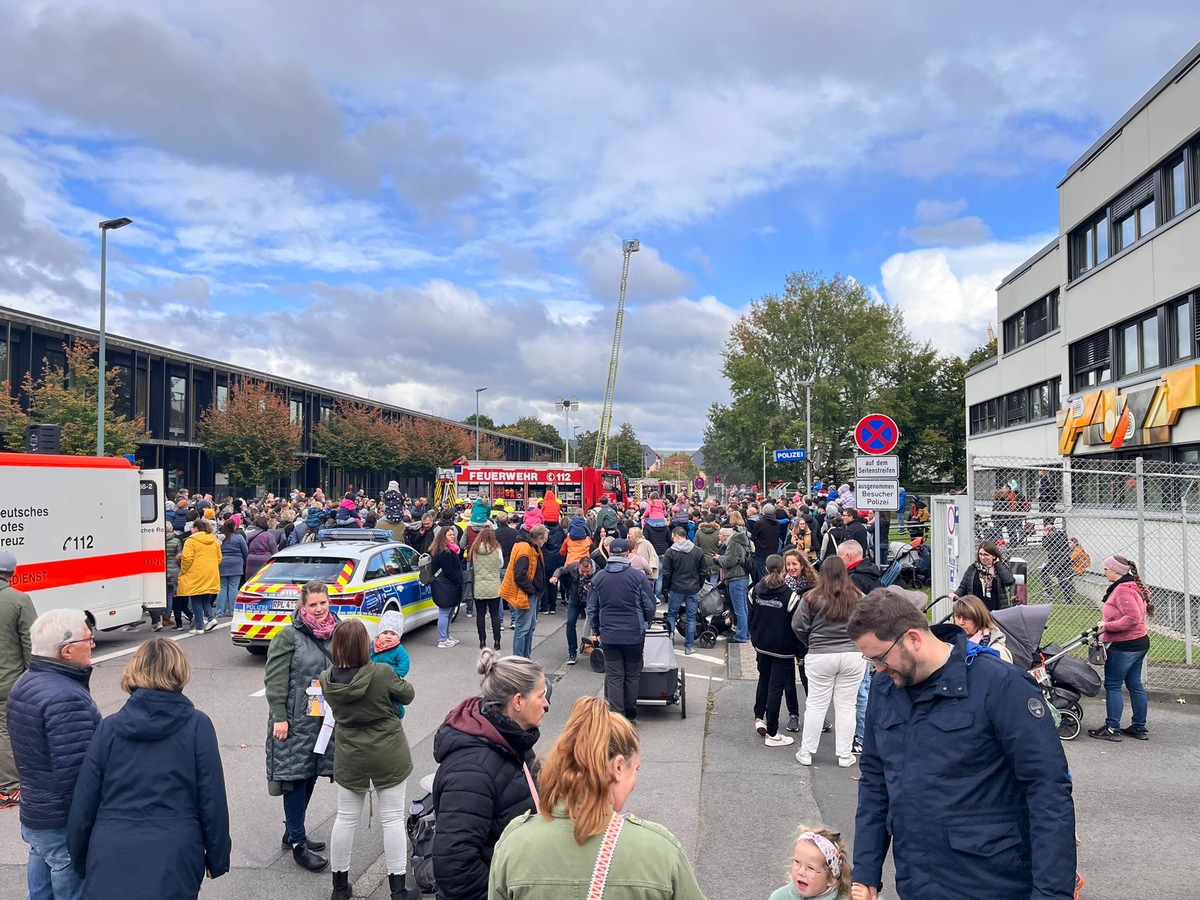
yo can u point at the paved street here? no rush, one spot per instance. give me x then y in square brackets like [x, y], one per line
[731, 801]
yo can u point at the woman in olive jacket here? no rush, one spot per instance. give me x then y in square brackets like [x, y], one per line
[372, 750]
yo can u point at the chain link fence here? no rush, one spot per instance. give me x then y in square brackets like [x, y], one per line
[1057, 519]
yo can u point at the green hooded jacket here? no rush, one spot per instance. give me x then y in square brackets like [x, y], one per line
[371, 745]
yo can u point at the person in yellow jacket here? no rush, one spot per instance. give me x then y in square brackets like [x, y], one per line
[199, 578]
[524, 584]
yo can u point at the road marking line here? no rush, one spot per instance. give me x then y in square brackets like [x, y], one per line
[262, 692]
[708, 659]
[690, 675]
[117, 654]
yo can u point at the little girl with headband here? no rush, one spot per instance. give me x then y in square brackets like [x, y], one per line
[820, 868]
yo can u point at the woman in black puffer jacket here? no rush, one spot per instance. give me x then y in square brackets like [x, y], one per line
[484, 780]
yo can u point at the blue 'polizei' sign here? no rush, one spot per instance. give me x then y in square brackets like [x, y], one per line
[800, 455]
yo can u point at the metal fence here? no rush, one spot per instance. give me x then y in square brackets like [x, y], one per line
[1145, 510]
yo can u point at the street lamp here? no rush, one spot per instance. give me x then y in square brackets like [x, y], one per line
[566, 407]
[808, 450]
[764, 480]
[105, 227]
[478, 391]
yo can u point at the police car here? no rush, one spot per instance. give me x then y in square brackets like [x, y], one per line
[368, 572]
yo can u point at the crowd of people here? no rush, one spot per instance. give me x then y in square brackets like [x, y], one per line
[912, 704]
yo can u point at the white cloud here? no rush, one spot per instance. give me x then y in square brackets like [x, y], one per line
[948, 295]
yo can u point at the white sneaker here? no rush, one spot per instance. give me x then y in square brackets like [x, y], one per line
[759, 725]
[453, 642]
[194, 630]
[846, 761]
[778, 740]
[211, 623]
[805, 759]
[444, 645]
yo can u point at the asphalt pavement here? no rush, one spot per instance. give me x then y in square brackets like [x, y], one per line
[732, 802]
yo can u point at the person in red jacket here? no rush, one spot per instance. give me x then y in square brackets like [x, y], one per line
[1126, 607]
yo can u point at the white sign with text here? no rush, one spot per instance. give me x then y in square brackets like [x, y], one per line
[877, 494]
[877, 467]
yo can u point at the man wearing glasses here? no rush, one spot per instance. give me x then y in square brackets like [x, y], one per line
[962, 769]
[51, 719]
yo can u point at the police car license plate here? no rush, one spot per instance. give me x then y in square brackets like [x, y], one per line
[285, 605]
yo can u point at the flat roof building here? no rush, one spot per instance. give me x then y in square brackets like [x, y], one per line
[1099, 332]
[171, 390]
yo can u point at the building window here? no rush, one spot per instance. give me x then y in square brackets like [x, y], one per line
[177, 421]
[1034, 321]
[1091, 361]
[297, 411]
[1139, 345]
[1029, 404]
[141, 396]
[1179, 321]
[222, 397]
[123, 392]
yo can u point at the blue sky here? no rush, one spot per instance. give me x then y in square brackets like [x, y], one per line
[410, 201]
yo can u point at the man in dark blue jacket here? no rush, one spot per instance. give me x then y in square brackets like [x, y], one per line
[620, 605]
[684, 571]
[962, 769]
[51, 720]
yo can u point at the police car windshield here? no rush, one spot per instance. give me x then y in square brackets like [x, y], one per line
[299, 569]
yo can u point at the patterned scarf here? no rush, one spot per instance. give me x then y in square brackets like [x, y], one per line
[321, 630]
[986, 577]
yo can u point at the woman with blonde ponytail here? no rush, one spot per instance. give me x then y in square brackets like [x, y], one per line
[581, 838]
[1123, 629]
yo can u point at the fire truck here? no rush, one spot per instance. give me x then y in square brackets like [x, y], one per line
[87, 532]
[519, 483]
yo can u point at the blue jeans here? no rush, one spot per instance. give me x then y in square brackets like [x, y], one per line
[737, 600]
[50, 873]
[526, 620]
[295, 806]
[575, 612]
[860, 710]
[1124, 668]
[675, 601]
[228, 594]
[444, 616]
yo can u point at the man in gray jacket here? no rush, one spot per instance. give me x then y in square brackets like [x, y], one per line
[684, 570]
[16, 615]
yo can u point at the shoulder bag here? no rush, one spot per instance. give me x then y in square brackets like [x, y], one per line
[608, 845]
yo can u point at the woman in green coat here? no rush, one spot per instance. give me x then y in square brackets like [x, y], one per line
[372, 749]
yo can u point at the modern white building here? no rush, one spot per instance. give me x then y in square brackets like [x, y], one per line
[1099, 332]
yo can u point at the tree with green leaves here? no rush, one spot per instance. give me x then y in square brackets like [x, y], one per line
[485, 421]
[624, 451]
[827, 331]
[534, 429]
[678, 466]
[252, 439]
[13, 420]
[357, 439]
[67, 397]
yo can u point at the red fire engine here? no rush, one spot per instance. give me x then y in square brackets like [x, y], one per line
[518, 483]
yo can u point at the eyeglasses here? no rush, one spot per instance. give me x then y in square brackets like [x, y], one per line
[807, 869]
[90, 639]
[882, 660]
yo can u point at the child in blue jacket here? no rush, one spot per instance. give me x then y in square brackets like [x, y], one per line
[387, 650]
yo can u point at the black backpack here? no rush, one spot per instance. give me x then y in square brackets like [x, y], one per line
[422, 822]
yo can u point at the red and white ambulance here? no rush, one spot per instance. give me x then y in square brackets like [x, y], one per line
[87, 532]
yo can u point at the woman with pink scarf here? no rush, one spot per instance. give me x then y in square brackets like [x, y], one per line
[297, 656]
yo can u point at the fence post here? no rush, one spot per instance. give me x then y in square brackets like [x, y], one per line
[1187, 592]
[1066, 488]
[1141, 517]
[970, 530]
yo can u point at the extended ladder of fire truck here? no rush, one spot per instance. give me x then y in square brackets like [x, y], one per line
[600, 459]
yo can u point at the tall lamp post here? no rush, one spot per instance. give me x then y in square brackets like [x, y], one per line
[808, 450]
[566, 407]
[105, 227]
[764, 481]
[478, 391]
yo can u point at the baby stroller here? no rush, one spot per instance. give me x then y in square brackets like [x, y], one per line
[662, 681]
[1062, 677]
[713, 615]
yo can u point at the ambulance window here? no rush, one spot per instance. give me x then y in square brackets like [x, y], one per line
[151, 505]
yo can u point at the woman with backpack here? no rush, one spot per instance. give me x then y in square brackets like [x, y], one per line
[261, 547]
[235, 554]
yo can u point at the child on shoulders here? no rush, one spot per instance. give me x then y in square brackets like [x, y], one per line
[386, 648]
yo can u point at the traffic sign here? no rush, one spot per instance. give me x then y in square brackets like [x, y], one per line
[881, 494]
[799, 455]
[717, 479]
[876, 467]
[876, 434]
[699, 482]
